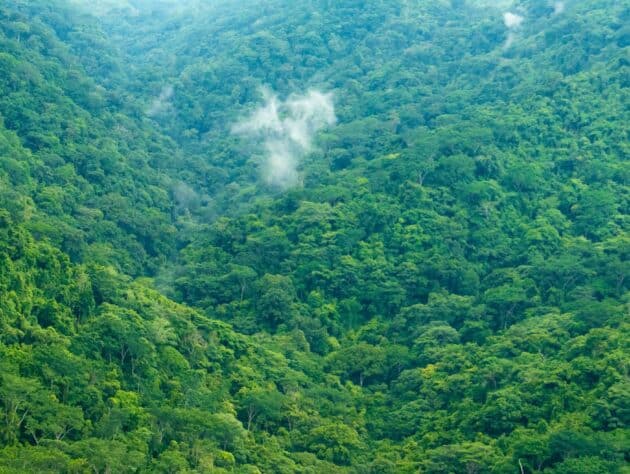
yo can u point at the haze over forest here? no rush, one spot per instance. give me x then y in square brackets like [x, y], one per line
[314, 236]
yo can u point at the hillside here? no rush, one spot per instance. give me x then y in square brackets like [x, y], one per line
[356, 236]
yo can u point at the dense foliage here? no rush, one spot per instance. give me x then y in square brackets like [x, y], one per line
[445, 290]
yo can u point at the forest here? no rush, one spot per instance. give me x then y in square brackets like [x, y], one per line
[315, 236]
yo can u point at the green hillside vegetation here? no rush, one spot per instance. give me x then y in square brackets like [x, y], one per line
[443, 290]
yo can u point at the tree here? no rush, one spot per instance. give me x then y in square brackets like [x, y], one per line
[335, 442]
[360, 362]
[274, 300]
[16, 394]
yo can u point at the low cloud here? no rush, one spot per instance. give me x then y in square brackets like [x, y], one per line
[162, 103]
[106, 7]
[286, 129]
[558, 7]
[185, 198]
[512, 20]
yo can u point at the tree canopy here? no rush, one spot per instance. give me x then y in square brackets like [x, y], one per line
[438, 283]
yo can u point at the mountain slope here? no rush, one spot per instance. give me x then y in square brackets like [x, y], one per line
[441, 286]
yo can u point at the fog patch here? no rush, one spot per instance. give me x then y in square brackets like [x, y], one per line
[285, 131]
[558, 8]
[162, 103]
[185, 199]
[106, 7]
[512, 22]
